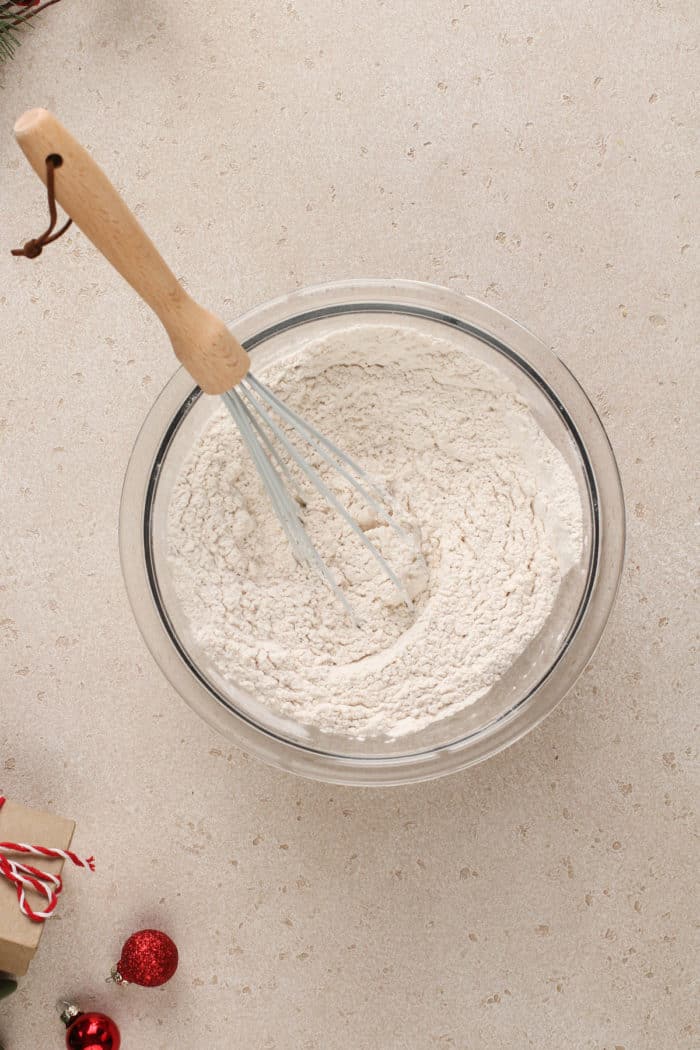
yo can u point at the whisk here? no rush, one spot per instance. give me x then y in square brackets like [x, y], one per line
[215, 359]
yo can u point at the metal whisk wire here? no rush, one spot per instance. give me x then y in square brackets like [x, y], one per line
[260, 417]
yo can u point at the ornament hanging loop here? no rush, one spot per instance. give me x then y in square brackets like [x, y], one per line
[67, 1011]
[34, 247]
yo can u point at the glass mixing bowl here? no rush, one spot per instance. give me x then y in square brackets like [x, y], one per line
[539, 678]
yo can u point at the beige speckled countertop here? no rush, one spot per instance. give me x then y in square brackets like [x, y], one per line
[539, 156]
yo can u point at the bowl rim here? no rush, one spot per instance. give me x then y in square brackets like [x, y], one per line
[554, 379]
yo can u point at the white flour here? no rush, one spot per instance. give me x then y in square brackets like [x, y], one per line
[493, 505]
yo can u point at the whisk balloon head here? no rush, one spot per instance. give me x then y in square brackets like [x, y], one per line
[280, 441]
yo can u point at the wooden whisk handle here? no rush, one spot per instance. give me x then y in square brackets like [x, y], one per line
[201, 341]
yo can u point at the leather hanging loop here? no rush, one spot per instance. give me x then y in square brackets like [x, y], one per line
[34, 247]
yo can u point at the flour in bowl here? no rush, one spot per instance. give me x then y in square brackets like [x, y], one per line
[492, 507]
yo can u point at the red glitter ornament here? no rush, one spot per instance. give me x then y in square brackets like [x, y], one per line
[149, 958]
[89, 1031]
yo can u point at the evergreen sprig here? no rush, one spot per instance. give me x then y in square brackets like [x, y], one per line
[14, 17]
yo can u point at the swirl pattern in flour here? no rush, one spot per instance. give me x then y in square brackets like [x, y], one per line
[492, 505]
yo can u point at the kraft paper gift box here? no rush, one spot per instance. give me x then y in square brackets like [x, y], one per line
[20, 935]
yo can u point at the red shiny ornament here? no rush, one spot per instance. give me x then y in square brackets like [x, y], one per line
[92, 1031]
[149, 958]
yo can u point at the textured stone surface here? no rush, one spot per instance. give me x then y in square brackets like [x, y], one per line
[537, 155]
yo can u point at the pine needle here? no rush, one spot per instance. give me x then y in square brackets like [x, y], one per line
[9, 41]
[12, 19]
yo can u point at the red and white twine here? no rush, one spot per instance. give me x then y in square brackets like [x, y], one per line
[26, 877]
